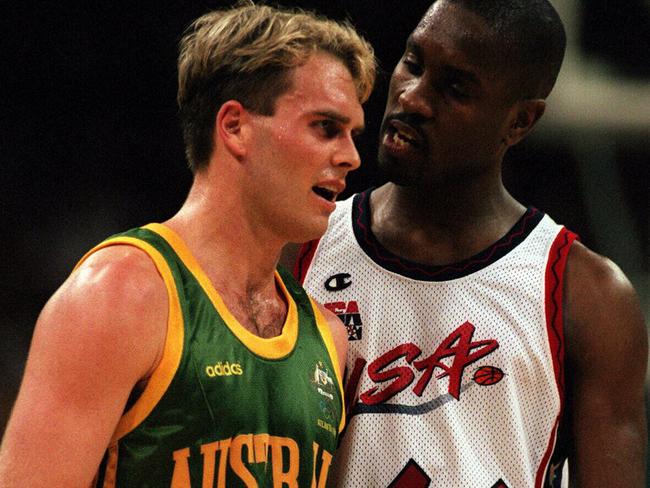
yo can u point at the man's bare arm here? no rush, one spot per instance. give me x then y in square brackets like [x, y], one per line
[339, 335]
[98, 336]
[607, 352]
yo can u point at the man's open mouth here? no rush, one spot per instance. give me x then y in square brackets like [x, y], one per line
[324, 193]
[402, 134]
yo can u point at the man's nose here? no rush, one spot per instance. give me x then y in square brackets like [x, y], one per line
[347, 155]
[416, 97]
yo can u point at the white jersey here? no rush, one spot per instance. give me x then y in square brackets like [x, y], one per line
[455, 373]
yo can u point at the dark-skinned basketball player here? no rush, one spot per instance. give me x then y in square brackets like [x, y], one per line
[487, 344]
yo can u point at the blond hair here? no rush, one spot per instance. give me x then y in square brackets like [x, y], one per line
[246, 53]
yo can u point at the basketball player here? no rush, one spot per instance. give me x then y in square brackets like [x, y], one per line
[487, 345]
[175, 354]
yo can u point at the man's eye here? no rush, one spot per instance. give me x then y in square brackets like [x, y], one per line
[329, 127]
[412, 65]
[457, 90]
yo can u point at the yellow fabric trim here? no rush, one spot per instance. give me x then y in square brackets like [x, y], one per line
[173, 348]
[326, 334]
[110, 473]
[269, 348]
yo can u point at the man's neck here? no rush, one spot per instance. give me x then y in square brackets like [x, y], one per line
[441, 227]
[238, 261]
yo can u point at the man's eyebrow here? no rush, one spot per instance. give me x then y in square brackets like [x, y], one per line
[341, 119]
[450, 69]
[411, 45]
[333, 115]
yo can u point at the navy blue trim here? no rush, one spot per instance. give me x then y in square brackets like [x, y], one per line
[387, 260]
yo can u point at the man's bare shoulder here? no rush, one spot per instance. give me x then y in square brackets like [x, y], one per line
[339, 335]
[116, 297]
[602, 309]
[596, 286]
[120, 273]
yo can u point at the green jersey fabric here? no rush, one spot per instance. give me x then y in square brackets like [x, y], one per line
[226, 408]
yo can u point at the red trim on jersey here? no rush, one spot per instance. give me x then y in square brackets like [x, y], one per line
[554, 284]
[412, 476]
[305, 257]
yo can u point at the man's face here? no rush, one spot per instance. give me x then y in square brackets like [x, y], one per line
[299, 157]
[449, 107]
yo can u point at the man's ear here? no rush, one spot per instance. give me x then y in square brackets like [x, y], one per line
[229, 130]
[527, 113]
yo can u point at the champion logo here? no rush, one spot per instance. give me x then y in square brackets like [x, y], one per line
[338, 282]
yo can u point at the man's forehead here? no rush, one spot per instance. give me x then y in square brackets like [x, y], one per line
[340, 105]
[324, 84]
[461, 32]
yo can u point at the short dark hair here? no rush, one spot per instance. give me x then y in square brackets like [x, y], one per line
[531, 36]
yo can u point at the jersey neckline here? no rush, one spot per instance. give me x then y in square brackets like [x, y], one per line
[417, 271]
[276, 347]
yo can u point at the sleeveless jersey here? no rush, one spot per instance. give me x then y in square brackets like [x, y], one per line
[454, 373]
[226, 408]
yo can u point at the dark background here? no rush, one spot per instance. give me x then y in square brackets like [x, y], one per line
[90, 143]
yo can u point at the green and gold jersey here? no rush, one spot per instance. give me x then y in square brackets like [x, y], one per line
[226, 408]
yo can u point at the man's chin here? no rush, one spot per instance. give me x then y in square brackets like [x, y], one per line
[311, 233]
[389, 171]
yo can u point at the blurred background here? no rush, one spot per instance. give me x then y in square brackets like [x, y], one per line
[90, 143]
